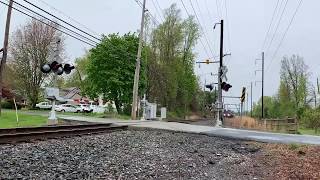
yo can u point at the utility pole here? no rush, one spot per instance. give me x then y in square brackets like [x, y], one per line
[137, 71]
[5, 49]
[251, 99]
[262, 87]
[262, 83]
[247, 106]
[219, 117]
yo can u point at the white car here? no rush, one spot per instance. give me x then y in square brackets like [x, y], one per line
[97, 109]
[85, 108]
[67, 108]
[44, 105]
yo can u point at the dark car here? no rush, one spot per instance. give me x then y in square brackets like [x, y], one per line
[228, 114]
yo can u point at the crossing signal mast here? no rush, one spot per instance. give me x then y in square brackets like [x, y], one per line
[242, 99]
[58, 68]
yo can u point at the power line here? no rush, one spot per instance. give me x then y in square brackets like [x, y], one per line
[201, 28]
[285, 33]
[30, 10]
[203, 19]
[152, 17]
[48, 24]
[273, 15]
[201, 42]
[70, 18]
[113, 47]
[157, 10]
[228, 28]
[210, 15]
[278, 24]
[62, 20]
[218, 12]
[73, 36]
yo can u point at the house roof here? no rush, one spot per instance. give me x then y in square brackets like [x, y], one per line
[69, 93]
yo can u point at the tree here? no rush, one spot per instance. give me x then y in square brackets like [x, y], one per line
[294, 78]
[171, 78]
[311, 119]
[271, 107]
[76, 79]
[32, 46]
[111, 67]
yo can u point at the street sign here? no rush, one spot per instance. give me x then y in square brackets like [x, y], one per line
[224, 71]
[243, 95]
[52, 93]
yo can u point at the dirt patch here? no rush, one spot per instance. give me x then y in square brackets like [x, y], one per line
[290, 161]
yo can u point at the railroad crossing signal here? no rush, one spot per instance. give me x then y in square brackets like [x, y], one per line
[243, 95]
[225, 86]
[57, 68]
[209, 86]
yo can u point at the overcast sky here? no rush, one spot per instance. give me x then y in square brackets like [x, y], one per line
[246, 25]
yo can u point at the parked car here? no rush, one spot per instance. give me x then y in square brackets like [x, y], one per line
[68, 108]
[85, 108]
[97, 109]
[43, 105]
[228, 114]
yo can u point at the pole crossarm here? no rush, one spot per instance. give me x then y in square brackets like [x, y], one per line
[236, 97]
[205, 62]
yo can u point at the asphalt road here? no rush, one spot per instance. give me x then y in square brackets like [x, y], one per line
[207, 130]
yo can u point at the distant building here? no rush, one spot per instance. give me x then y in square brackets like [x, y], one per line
[73, 95]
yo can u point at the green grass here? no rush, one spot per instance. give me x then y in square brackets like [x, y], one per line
[309, 131]
[8, 120]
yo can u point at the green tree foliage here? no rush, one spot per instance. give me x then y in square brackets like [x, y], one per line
[110, 71]
[311, 119]
[293, 95]
[171, 78]
[76, 79]
[294, 77]
[271, 108]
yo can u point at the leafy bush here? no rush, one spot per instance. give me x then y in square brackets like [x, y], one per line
[311, 119]
[9, 105]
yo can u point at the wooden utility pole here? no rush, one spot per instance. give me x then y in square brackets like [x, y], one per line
[251, 99]
[262, 88]
[137, 71]
[5, 49]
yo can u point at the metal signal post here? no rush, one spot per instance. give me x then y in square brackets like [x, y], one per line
[262, 83]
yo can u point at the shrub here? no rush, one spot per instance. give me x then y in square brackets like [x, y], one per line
[9, 105]
[311, 119]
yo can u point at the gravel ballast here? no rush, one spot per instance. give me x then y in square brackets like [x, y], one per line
[132, 154]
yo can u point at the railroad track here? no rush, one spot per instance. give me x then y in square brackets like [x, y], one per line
[30, 134]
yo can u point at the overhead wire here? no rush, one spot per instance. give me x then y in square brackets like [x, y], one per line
[218, 12]
[203, 20]
[99, 39]
[228, 29]
[277, 26]
[70, 18]
[157, 10]
[201, 27]
[42, 16]
[151, 16]
[47, 24]
[269, 28]
[201, 42]
[285, 33]
[64, 32]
